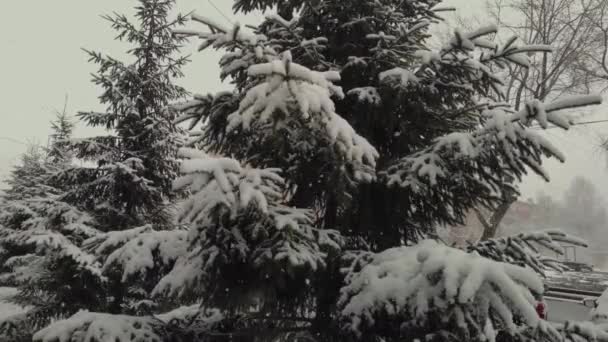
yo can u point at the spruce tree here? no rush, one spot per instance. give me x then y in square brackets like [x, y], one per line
[128, 191]
[40, 242]
[315, 186]
[63, 128]
[24, 178]
[126, 197]
[136, 161]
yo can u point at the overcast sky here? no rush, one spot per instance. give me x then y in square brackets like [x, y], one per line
[41, 61]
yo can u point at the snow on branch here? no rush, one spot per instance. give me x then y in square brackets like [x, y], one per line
[568, 102]
[49, 213]
[49, 242]
[583, 331]
[222, 184]
[293, 92]
[548, 113]
[281, 21]
[87, 326]
[246, 49]
[59, 243]
[236, 217]
[21, 326]
[524, 249]
[405, 76]
[207, 110]
[91, 326]
[189, 109]
[148, 251]
[509, 51]
[457, 66]
[24, 269]
[138, 251]
[187, 274]
[106, 243]
[444, 288]
[466, 41]
[502, 133]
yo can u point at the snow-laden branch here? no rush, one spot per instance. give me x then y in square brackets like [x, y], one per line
[525, 249]
[220, 34]
[457, 65]
[147, 252]
[237, 219]
[106, 243]
[441, 288]
[90, 326]
[502, 134]
[52, 228]
[583, 331]
[293, 92]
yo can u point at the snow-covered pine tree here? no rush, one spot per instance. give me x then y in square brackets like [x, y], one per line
[40, 243]
[25, 177]
[59, 148]
[26, 180]
[349, 141]
[128, 187]
[136, 162]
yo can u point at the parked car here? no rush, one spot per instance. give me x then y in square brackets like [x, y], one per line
[578, 266]
[599, 307]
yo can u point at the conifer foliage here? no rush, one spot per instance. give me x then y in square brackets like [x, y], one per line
[40, 242]
[98, 235]
[137, 163]
[128, 192]
[314, 187]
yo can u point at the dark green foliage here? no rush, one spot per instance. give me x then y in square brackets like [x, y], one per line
[418, 108]
[54, 206]
[442, 97]
[63, 127]
[132, 183]
[378, 139]
[40, 235]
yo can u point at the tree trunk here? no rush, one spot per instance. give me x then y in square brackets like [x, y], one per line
[490, 227]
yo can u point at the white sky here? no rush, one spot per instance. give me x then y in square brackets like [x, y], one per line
[41, 61]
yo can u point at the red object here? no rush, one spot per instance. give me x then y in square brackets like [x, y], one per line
[540, 310]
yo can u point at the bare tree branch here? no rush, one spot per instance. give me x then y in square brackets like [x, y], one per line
[578, 32]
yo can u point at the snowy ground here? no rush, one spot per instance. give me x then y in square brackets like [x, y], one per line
[7, 309]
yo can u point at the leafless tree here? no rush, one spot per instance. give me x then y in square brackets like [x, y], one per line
[577, 30]
[573, 28]
[593, 61]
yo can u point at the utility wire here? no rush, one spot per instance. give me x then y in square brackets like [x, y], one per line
[220, 12]
[13, 140]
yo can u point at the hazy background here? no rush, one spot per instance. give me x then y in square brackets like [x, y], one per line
[41, 61]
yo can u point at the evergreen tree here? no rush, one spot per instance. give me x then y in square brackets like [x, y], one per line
[128, 192]
[63, 127]
[136, 162]
[25, 177]
[348, 141]
[40, 243]
[126, 199]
